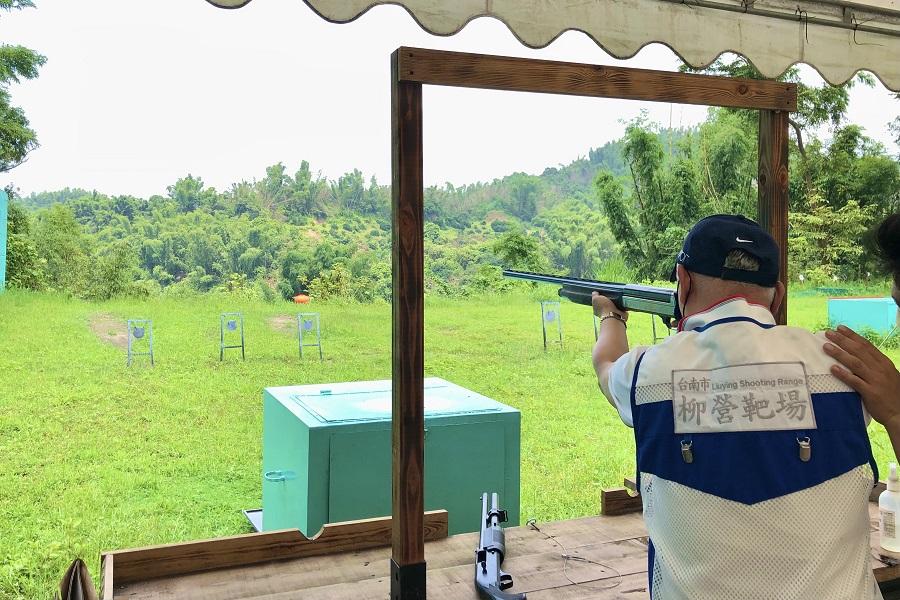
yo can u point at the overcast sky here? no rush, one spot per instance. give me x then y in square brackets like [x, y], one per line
[136, 94]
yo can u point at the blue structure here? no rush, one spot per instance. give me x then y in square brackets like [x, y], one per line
[4, 201]
[876, 314]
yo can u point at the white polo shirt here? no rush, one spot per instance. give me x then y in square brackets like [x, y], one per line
[754, 463]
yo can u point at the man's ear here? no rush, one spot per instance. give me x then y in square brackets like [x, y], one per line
[684, 284]
[779, 297]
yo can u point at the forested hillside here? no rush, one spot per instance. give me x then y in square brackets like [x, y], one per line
[620, 212]
[294, 231]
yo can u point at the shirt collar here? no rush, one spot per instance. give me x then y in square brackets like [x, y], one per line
[731, 308]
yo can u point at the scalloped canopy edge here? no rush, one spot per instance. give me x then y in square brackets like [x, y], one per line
[622, 27]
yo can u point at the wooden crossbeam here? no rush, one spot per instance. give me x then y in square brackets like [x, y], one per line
[461, 69]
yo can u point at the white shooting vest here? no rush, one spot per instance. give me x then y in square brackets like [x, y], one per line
[747, 518]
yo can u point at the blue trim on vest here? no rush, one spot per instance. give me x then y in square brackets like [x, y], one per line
[732, 320]
[754, 466]
[651, 558]
[633, 400]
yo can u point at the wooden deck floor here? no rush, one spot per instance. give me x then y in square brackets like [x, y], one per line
[615, 546]
[607, 561]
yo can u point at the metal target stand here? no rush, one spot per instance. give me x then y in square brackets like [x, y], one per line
[230, 322]
[307, 323]
[550, 314]
[138, 329]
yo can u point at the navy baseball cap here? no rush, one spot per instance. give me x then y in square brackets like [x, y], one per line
[711, 239]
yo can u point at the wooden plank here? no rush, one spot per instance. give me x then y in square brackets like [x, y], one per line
[408, 303]
[106, 566]
[438, 67]
[241, 550]
[772, 199]
[628, 587]
[619, 501]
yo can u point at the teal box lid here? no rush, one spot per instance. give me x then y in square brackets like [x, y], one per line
[366, 401]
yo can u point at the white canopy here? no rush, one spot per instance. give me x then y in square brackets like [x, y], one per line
[836, 37]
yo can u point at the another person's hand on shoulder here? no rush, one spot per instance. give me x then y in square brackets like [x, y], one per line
[869, 372]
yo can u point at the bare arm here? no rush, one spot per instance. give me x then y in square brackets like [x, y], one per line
[612, 342]
[870, 373]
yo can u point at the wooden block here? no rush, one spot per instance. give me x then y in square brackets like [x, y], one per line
[240, 550]
[619, 501]
[107, 582]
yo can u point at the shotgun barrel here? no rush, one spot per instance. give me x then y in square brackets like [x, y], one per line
[626, 296]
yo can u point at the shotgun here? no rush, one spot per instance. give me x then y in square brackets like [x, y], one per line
[626, 296]
[490, 581]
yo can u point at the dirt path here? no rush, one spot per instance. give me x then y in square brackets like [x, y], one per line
[110, 329]
[283, 323]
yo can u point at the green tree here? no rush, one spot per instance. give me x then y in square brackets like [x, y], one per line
[823, 242]
[331, 284]
[111, 272]
[23, 265]
[894, 127]
[63, 249]
[519, 251]
[304, 198]
[660, 210]
[17, 138]
[855, 167]
[525, 195]
[188, 193]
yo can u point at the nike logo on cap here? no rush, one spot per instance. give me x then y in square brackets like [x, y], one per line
[738, 239]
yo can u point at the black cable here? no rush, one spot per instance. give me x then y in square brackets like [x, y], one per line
[567, 557]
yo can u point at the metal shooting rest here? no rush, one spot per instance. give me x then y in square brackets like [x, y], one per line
[139, 329]
[230, 322]
[307, 323]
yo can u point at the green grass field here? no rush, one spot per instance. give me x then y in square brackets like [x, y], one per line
[96, 456]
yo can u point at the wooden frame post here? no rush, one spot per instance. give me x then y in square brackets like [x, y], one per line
[772, 188]
[413, 67]
[408, 424]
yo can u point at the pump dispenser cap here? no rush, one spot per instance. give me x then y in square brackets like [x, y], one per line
[893, 484]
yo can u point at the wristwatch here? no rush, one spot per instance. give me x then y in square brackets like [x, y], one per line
[616, 316]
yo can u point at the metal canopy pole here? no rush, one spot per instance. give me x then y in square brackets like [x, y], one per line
[408, 411]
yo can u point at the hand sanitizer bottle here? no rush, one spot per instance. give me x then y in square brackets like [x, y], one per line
[889, 509]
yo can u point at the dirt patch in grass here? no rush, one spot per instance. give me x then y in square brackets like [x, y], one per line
[110, 329]
[283, 323]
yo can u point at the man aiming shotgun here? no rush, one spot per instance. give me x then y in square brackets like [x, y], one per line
[753, 460]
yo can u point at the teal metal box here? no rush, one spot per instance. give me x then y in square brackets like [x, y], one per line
[877, 314]
[327, 454]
